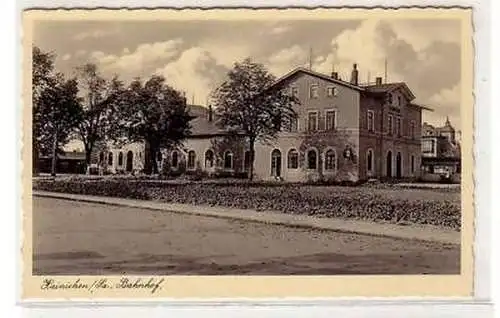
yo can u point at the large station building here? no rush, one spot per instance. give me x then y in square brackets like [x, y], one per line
[345, 131]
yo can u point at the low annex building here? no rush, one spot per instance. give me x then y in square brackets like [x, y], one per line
[345, 131]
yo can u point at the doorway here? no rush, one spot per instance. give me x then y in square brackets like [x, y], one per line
[130, 160]
[389, 164]
[398, 166]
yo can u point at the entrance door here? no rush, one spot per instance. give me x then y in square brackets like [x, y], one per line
[130, 160]
[276, 163]
[389, 164]
[398, 165]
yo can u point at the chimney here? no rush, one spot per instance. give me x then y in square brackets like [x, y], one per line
[335, 75]
[354, 74]
[378, 81]
[210, 113]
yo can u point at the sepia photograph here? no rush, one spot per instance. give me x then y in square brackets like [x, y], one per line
[270, 143]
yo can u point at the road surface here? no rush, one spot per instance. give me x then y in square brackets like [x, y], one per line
[75, 238]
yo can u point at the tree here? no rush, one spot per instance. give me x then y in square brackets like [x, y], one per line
[248, 102]
[59, 113]
[43, 77]
[154, 113]
[101, 98]
[56, 107]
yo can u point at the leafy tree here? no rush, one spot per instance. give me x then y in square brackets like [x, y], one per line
[59, 114]
[101, 98]
[248, 102]
[43, 77]
[56, 107]
[154, 113]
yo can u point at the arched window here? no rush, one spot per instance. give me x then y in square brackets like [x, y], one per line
[369, 160]
[120, 159]
[209, 158]
[175, 159]
[228, 160]
[312, 159]
[110, 159]
[330, 160]
[276, 163]
[293, 159]
[191, 159]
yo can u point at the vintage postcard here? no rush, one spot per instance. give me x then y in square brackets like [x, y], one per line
[247, 153]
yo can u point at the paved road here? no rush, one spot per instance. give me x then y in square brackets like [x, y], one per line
[75, 238]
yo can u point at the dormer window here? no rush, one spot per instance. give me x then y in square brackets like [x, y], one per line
[331, 91]
[313, 91]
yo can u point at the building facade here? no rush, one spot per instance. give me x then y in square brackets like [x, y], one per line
[345, 131]
[441, 152]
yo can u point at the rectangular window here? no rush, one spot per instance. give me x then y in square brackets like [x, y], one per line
[412, 164]
[331, 119]
[399, 100]
[398, 127]
[294, 124]
[331, 91]
[313, 91]
[294, 91]
[312, 121]
[412, 129]
[390, 125]
[371, 120]
[428, 146]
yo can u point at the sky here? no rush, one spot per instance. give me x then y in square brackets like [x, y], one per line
[195, 56]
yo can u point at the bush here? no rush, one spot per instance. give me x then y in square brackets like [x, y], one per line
[363, 203]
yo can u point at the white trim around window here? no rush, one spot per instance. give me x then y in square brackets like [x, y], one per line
[317, 120]
[370, 128]
[188, 163]
[335, 117]
[316, 95]
[332, 91]
[325, 161]
[206, 159]
[230, 154]
[289, 164]
[314, 149]
[413, 129]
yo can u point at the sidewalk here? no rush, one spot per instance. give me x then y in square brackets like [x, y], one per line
[413, 232]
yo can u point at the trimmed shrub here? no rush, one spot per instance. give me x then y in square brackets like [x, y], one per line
[365, 203]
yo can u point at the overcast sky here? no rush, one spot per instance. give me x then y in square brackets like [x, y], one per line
[195, 55]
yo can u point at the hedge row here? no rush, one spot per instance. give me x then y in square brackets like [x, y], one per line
[343, 202]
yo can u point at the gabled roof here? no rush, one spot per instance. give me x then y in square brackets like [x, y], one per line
[318, 75]
[390, 87]
[376, 89]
